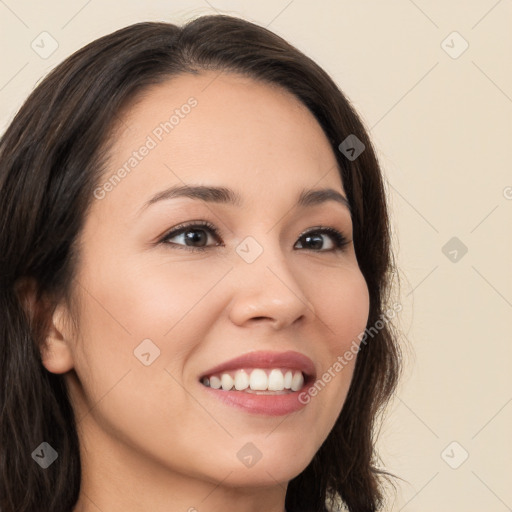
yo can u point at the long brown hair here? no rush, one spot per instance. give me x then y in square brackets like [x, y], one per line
[52, 157]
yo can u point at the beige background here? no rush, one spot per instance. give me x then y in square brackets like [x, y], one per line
[443, 130]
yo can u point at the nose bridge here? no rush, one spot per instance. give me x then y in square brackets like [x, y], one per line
[266, 287]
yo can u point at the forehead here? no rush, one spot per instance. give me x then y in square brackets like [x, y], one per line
[219, 128]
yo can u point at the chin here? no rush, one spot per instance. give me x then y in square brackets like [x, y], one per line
[268, 464]
[263, 475]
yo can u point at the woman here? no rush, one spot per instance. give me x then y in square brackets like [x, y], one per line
[195, 267]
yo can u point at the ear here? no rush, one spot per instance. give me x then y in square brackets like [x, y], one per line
[56, 353]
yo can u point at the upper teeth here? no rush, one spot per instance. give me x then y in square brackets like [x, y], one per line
[257, 379]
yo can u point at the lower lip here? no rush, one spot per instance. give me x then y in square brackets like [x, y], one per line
[270, 405]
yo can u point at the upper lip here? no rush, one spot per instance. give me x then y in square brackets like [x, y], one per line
[265, 359]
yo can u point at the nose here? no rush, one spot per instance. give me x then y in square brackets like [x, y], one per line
[267, 290]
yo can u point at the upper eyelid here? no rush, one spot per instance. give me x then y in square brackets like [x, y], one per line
[187, 225]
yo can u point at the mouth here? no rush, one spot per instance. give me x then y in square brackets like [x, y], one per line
[260, 381]
[267, 383]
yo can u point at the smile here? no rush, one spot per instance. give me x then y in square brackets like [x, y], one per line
[257, 380]
[260, 382]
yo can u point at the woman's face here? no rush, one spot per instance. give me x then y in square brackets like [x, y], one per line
[157, 313]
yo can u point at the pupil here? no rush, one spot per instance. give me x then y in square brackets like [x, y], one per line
[194, 235]
[317, 241]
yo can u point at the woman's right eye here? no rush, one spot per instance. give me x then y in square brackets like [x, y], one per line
[194, 233]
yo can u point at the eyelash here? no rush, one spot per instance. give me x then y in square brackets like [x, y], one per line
[340, 241]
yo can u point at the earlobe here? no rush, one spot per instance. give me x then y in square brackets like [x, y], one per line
[56, 358]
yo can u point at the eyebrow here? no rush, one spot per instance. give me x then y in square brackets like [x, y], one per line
[224, 195]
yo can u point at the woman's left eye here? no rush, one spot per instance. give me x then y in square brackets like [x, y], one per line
[314, 237]
[198, 234]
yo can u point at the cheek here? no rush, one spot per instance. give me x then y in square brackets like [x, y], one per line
[158, 301]
[171, 304]
[139, 326]
[166, 317]
[345, 308]
[166, 291]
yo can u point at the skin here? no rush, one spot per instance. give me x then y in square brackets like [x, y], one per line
[151, 438]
